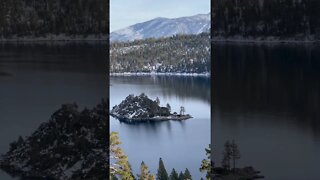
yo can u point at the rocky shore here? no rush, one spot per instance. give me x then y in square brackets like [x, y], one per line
[154, 119]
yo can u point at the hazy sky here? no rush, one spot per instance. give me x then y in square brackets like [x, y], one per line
[124, 13]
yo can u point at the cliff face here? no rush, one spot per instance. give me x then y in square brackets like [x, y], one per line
[297, 19]
[71, 145]
[36, 18]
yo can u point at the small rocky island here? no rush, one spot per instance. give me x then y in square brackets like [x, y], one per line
[238, 173]
[71, 145]
[142, 109]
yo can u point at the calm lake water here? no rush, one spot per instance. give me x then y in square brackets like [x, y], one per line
[36, 78]
[181, 144]
[267, 98]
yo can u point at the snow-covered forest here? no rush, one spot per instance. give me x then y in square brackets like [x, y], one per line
[38, 18]
[177, 54]
[283, 19]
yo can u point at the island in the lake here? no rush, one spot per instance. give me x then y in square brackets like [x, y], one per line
[71, 145]
[142, 109]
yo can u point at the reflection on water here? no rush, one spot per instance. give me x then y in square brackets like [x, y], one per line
[180, 144]
[154, 129]
[181, 86]
[53, 56]
[267, 97]
[36, 78]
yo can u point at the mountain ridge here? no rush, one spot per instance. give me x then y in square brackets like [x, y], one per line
[163, 27]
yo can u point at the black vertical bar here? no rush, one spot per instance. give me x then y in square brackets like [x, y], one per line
[212, 82]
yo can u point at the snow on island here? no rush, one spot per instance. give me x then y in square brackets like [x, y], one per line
[71, 145]
[142, 109]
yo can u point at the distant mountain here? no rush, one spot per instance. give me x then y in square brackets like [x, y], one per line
[163, 27]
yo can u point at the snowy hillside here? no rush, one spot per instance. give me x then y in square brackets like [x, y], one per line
[177, 54]
[163, 27]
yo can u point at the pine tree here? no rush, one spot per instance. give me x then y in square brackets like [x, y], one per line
[187, 175]
[235, 153]
[174, 175]
[121, 166]
[226, 155]
[169, 107]
[145, 173]
[131, 173]
[206, 164]
[158, 101]
[151, 177]
[182, 110]
[181, 176]
[162, 172]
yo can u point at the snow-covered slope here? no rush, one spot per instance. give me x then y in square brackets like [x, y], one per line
[163, 27]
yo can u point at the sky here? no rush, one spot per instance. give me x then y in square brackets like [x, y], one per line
[124, 13]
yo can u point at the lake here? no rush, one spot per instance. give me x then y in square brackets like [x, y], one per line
[267, 98]
[36, 78]
[180, 144]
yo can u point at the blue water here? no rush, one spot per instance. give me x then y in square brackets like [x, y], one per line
[181, 144]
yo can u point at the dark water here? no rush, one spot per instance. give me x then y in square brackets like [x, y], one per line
[36, 78]
[181, 144]
[267, 98]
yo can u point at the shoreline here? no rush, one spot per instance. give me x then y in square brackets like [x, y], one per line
[217, 39]
[154, 119]
[58, 38]
[263, 40]
[160, 74]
